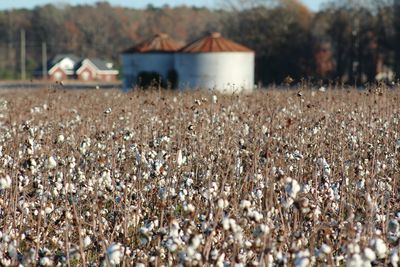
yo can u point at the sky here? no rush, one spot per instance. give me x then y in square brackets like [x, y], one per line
[7, 4]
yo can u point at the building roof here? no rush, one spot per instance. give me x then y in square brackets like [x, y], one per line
[55, 60]
[100, 65]
[214, 42]
[59, 57]
[158, 43]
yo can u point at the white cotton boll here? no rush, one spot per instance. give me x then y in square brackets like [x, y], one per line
[54, 192]
[245, 204]
[6, 238]
[214, 254]
[87, 241]
[5, 262]
[246, 129]
[394, 257]
[114, 254]
[302, 262]
[323, 164]
[292, 187]
[189, 208]
[60, 138]
[214, 99]
[68, 215]
[369, 254]
[48, 210]
[264, 130]
[179, 158]
[248, 244]
[5, 182]
[220, 260]
[12, 251]
[380, 247]
[220, 203]
[196, 241]
[182, 196]
[189, 182]
[174, 228]
[225, 223]
[288, 203]
[144, 230]
[45, 261]
[83, 147]
[51, 163]
[264, 228]
[257, 216]
[353, 248]
[360, 185]
[398, 143]
[326, 249]
[171, 246]
[355, 261]
[393, 230]
[105, 178]
[302, 259]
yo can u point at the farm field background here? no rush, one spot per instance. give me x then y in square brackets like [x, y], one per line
[163, 178]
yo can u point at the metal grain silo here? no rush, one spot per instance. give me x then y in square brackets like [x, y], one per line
[214, 62]
[151, 59]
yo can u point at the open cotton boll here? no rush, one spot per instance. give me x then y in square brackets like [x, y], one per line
[221, 203]
[394, 257]
[12, 251]
[60, 138]
[323, 164]
[393, 230]
[51, 162]
[379, 247]
[87, 241]
[114, 254]
[45, 261]
[292, 187]
[225, 223]
[302, 259]
[214, 99]
[179, 158]
[5, 182]
[355, 261]
[369, 254]
[326, 249]
[245, 204]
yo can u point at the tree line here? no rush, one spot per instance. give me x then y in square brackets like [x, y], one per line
[347, 41]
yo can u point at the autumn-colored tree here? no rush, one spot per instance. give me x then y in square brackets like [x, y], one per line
[324, 61]
[348, 40]
[279, 34]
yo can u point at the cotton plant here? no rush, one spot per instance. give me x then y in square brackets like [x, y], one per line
[173, 179]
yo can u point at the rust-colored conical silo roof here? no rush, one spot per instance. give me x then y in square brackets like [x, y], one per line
[158, 43]
[214, 42]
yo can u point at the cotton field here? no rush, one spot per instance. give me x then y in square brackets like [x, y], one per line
[156, 178]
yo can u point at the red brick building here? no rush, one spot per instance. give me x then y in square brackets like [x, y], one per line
[95, 70]
[57, 74]
[70, 67]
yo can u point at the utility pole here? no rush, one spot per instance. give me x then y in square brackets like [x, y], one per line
[23, 55]
[44, 60]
